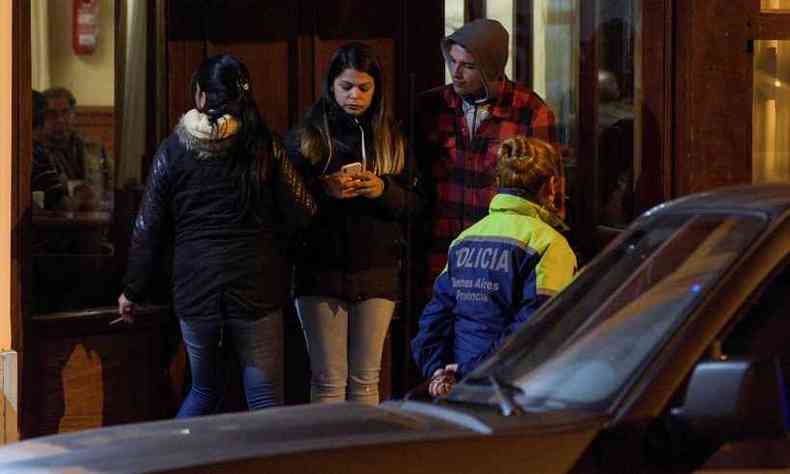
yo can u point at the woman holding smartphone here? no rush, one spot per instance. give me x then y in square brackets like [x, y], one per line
[347, 275]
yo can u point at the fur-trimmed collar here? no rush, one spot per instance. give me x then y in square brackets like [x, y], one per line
[196, 132]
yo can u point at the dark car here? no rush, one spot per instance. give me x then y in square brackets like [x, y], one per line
[670, 352]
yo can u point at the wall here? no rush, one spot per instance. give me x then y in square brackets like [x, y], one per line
[5, 172]
[90, 77]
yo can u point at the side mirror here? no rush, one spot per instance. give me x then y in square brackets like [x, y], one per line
[728, 400]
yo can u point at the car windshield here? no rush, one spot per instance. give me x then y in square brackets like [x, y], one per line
[582, 349]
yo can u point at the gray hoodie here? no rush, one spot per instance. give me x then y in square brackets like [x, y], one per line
[488, 41]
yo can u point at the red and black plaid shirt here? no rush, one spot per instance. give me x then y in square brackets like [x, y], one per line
[461, 172]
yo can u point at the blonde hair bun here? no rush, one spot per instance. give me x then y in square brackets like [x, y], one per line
[527, 163]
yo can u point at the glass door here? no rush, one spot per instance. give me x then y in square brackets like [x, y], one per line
[771, 105]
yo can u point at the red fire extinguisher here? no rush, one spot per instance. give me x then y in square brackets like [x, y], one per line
[85, 26]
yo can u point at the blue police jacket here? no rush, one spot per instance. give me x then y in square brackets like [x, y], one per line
[498, 272]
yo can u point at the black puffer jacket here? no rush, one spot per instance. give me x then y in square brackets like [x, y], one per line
[193, 200]
[354, 246]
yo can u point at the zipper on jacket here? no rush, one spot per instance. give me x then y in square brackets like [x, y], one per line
[364, 151]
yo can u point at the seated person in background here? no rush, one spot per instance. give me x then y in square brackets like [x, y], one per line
[66, 150]
[44, 177]
[500, 270]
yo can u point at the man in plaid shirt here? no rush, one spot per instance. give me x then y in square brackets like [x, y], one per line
[461, 127]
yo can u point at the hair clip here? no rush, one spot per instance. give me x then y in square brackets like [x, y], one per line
[243, 85]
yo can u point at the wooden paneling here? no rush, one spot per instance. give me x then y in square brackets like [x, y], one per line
[266, 61]
[96, 125]
[585, 207]
[93, 381]
[772, 25]
[712, 120]
[185, 52]
[655, 105]
[260, 34]
[357, 19]
[92, 374]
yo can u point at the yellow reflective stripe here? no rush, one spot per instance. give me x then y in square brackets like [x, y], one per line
[555, 268]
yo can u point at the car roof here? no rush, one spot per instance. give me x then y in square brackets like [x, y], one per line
[772, 199]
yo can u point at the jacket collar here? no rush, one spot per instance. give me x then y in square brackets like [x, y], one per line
[503, 108]
[515, 200]
[196, 133]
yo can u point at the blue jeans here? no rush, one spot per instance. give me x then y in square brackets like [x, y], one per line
[258, 344]
[345, 341]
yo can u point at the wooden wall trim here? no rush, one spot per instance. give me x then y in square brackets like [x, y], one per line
[713, 87]
[655, 181]
[522, 41]
[684, 38]
[668, 162]
[21, 262]
[773, 25]
[22, 151]
[585, 201]
[94, 114]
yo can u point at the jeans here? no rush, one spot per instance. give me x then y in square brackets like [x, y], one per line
[345, 341]
[258, 344]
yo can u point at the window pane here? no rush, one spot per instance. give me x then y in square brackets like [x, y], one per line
[502, 11]
[555, 27]
[770, 137]
[617, 34]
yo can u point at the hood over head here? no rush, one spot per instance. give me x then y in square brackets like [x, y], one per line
[488, 41]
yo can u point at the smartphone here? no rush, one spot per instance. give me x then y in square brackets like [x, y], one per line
[352, 168]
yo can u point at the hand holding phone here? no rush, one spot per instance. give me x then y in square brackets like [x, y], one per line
[341, 185]
[352, 168]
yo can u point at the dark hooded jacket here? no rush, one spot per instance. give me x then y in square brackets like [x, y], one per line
[192, 201]
[354, 246]
[487, 40]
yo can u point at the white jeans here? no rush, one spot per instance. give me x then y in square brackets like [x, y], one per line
[345, 341]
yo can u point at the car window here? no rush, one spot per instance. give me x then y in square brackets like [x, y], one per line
[595, 336]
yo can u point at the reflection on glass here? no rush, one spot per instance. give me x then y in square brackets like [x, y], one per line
[771, 112]
[555, 27]
[72, 167]
[618, 157]
[775, 4]
[453, 19]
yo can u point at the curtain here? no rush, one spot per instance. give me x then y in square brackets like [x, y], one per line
[133, 110]
[39, 44]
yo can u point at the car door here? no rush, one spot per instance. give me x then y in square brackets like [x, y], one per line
[761, 332]
[642, 436]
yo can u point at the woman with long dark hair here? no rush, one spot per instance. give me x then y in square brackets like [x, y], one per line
[223, 192]
[352, 155]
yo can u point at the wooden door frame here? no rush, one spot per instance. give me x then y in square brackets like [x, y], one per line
[21, 262]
